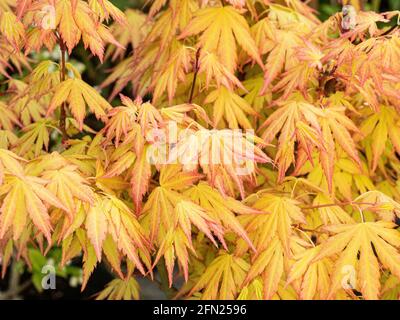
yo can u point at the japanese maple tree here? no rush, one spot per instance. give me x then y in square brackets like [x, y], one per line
[245, 147]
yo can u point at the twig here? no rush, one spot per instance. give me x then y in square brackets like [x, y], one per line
[341, 204]
[63, 114]
[196, 71]
[14, 288]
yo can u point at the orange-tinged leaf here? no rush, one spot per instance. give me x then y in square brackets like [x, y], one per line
[221, 28]
[78, 94]
[96, 226]
[222, 278]
[141, 174]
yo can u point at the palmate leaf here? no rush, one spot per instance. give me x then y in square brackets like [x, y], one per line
[222, 209]
[330, 214]
[231, 107]
[314, 276]
[336, 126]
[121, 121]
[270, 265]
[69, 186]
[177, 240]
[278, 214]
[271, 232]
[78, 94]
[74, 21]
[215, 70]
[11, 28]
[366, 247]
[36, 134]
[10, 163]
[295, 121]
[119, 289]
[221, 28]
[311, 127]
[26, 201]
[136, 20]
[109, 215]
[222, 278]
[173, 72]
[169, 218]
[377, 129]
[227, 157]
[278, 58]
[9, 119]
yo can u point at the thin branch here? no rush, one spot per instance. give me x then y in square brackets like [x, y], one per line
[389, 30]
[63, 114]
[14, 287]
[341, 204]
[196, 71]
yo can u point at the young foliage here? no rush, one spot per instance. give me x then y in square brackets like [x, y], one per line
[252, 152]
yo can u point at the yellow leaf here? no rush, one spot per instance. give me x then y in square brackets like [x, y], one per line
[78, 94]
[221, 28]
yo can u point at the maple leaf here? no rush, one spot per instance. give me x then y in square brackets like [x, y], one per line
[89, 257]
[106, 10]
[221, 28]
[74, 21]
[221, 154]
[365, 22]
[186, 214]
[280, 56]
[9, 119]
[222, 209]
[386, 208]
[168, 217]
[314, 276]
[179, 238]
[96, 225]
[109, 215]
[119, 289]
[69, 29]
[78, 94]
[12, 29]
[295, 121]
[231, 107]
[136, 20]
[7, 139]
[374, 242]
[330, 214]
[336, 127]
[141, 174]
[121, 121]
[10, 163]
[294, 16]
[378, 128]
[36, 134]
[279, 213]
[26, 198]
[269, 263]
[222, 278]
[173, 72]
[213, 69]
[67, 184]
[252, 93]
